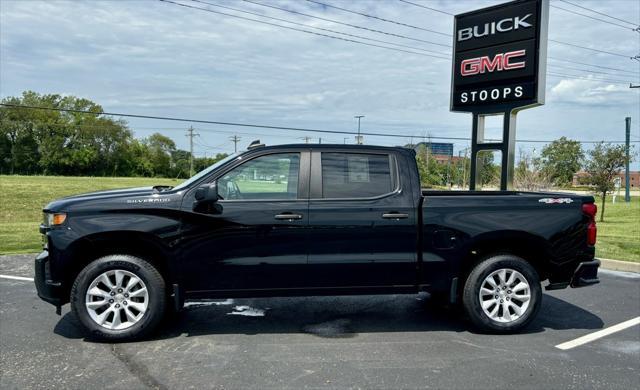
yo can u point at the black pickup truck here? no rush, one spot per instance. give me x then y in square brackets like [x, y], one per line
[295, 220]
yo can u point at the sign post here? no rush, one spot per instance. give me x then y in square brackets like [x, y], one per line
[499, 68]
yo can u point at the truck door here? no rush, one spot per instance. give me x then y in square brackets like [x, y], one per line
[362, 223]
[254, 237]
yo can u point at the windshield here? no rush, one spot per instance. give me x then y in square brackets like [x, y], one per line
[205, 172]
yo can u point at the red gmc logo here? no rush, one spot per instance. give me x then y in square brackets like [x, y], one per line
[484, 64]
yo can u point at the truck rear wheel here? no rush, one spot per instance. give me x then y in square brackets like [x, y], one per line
[502, 294]
[119, 297]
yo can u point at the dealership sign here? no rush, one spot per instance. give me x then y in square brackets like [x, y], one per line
[499, 57]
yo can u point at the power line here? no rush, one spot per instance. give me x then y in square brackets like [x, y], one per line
[589, 48]
[429, 8]
[586, 70]
[252, 125]
[348, 24]
[600, 13]
[594, 18]
[594, 65]
[591, 78]
[378, 18]
[320, 28]
[249, 1]
[439, 44]
[551, 40]
[302, 30]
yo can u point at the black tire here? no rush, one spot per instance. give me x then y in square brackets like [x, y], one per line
[140, 268]
[475, 280]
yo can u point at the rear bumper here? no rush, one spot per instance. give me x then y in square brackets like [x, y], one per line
[48, 290]
[586, 274]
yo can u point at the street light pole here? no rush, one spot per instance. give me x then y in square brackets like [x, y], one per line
[359, 137]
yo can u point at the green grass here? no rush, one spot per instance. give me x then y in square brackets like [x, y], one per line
[22, 199]
[248, 186]
[619, 234]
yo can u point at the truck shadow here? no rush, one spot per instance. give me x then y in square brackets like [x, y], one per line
[337, 317]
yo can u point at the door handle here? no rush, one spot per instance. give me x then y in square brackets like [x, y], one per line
[395, 216]
[288, 216]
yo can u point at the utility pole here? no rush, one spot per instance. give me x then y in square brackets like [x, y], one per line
[235, 139]
[344, 140]
[464, 166]
[320, 140]
[191, 134]
[359, 137]
[627, 196]
[306, 139]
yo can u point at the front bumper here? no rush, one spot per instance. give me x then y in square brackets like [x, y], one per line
[48, 290]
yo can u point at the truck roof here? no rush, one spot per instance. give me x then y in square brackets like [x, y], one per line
[333, 146]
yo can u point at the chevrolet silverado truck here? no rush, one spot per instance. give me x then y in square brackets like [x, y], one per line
[301, 220]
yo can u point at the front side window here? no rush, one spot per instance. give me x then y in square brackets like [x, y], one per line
[270, 177]
[355, 175]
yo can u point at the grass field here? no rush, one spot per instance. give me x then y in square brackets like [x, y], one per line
[22, 199]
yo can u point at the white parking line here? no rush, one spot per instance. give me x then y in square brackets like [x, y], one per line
[16, 278]
[599, 334]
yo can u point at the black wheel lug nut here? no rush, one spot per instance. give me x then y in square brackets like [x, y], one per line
[110, 300]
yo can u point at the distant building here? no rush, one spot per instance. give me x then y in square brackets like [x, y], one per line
[581, 177]
[440, 151]
[437, 148]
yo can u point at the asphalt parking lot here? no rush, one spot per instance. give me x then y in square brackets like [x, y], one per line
[330, 342]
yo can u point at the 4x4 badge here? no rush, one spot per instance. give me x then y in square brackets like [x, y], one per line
[555, 200]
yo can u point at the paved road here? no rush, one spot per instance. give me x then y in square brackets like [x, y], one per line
[327, 343]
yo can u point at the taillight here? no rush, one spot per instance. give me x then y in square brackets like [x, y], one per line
[590, 210]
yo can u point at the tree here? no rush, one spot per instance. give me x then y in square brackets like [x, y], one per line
[160, 150]
[488, 172]
[431, 173]
[561, 159]
[528, 174]
[54, 142]
[605, 162]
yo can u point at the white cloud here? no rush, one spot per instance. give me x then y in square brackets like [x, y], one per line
[590, 92]
[155, 58]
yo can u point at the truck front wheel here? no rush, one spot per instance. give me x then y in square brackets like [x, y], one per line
[502, 294]
[119, 297]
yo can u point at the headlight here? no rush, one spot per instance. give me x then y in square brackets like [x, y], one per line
[55, 219]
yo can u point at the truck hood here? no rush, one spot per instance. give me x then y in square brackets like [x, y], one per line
[63, 204]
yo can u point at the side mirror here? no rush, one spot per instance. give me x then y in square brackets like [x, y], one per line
[207, 193]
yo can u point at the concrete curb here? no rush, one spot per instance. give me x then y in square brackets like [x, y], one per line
[617, 265]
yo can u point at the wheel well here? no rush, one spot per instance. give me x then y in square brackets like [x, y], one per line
[532, 249]
[129, 243]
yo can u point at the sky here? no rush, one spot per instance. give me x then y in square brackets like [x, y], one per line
[156, 58]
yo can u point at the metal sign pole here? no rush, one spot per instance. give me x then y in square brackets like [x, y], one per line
[508, 150]
[506, 147]
[499, 67]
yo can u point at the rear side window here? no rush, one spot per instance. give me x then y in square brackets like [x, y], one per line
[355, 175]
